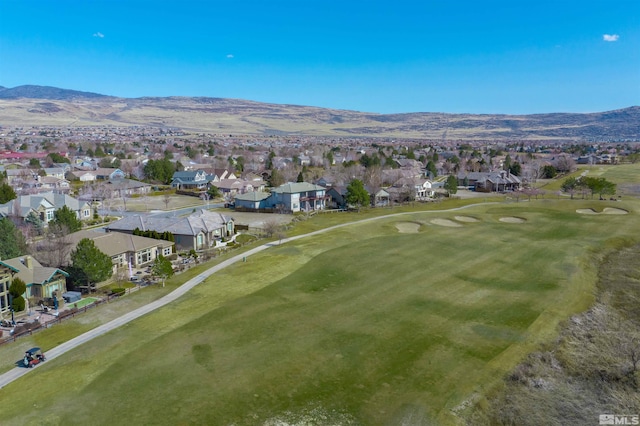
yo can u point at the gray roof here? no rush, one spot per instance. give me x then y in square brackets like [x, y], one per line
[114, 243]
[204, 221]
[297, 187]
[496, 177]
[37, 274]
[253, 196]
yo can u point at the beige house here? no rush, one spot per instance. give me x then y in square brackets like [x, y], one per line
[6, 274]
[126, 249]
[42, 281]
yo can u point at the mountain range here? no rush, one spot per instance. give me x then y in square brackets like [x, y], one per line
[50, 106]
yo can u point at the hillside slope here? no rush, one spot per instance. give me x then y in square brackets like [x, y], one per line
[46, 106]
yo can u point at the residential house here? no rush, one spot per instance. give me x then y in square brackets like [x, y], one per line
[107, 173]
[15, 177]
[337, 197]
[499, 181]
[224, 174]
[53, 183]
[42, 281]
[231, 187]
[126, 250]
[391, 176]
[57, 172]
[118, 188]
[44, 205]
[255, 200]
[381, 198]
[299, 196]
[82, 175]
[198, 231]
[191, 179]
[416, 189]
[6, 275]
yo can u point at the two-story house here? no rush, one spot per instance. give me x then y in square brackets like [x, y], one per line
[298, 196]
[192, 179]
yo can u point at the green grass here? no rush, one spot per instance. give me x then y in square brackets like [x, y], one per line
[83, 302]
[587, 370]
[362, 324]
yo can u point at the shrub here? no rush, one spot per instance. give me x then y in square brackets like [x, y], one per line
[118, 291]
[18, 304]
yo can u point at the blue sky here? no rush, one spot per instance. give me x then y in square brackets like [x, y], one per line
[512, 57]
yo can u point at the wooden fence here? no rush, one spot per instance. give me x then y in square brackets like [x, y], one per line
[32, 327]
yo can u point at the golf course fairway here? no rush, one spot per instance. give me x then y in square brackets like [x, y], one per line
[401, 319]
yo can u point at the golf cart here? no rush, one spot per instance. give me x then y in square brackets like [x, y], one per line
[33, 357]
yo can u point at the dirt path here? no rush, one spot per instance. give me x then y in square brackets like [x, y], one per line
[18, 372]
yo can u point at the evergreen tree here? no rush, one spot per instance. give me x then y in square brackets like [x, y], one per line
[213, 192]
[65, 217]
[12, 242]
[6, 193]
[16, 290]
[357, 195]
[451, 185]
[431, 168]
[87, 258]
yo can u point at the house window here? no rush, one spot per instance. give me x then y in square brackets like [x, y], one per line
[49, 215]
[166, 251]
[85, 213]
[144, 256]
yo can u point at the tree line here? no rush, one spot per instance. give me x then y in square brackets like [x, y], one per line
[588, 185]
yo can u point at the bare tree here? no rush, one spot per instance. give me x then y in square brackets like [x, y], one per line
[373, 178]
[565, 164]
[271, 227]
[55, 249]
[166, 198]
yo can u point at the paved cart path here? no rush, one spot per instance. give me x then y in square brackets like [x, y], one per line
[18, 372]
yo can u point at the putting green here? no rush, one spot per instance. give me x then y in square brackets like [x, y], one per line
[363, 324]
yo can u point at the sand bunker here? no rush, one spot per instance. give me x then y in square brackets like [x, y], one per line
[466, 219]
[408, 227]
[613, 210]
[445, 222]
[511, 219]
[606, 210]
[586, 211]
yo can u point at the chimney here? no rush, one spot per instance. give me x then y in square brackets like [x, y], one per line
[28, 262]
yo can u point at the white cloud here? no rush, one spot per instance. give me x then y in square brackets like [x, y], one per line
[230, 56]
[610, 37]
[98, 34]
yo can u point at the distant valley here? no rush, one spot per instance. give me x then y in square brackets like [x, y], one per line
[50, 106]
